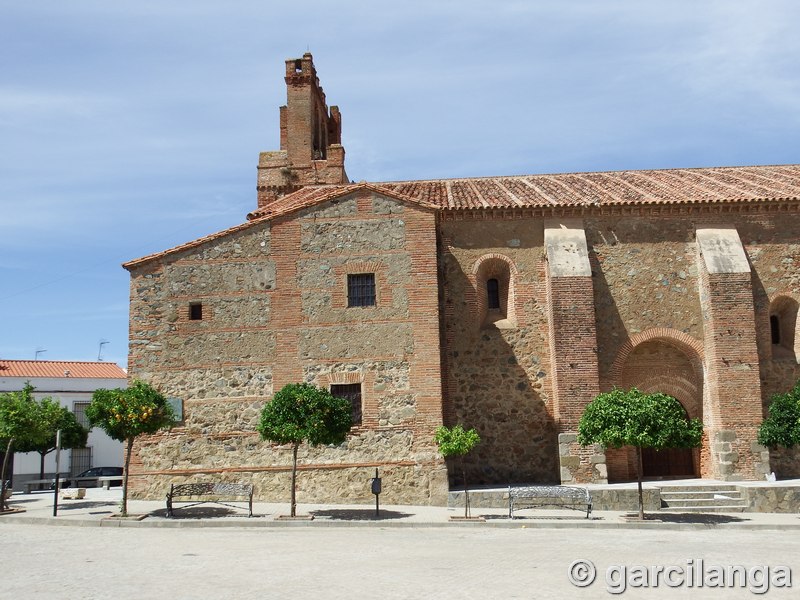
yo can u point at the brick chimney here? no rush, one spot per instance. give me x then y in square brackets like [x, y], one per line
[311, 138]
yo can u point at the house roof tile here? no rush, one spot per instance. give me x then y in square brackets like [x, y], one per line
[61, 368]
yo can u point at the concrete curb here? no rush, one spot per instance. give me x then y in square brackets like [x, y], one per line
[260, 523]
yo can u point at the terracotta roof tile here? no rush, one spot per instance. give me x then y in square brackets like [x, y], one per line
[670, 186]
[57, 368]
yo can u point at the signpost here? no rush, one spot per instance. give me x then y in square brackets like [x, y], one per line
[58, 470]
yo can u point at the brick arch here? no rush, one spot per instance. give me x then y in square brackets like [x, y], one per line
[682, 341]
[683, 380]
[786, 307]
[502, 268]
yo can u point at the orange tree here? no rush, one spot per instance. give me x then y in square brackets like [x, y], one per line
[457, 441]
[20, 422]
[301, 412]
[126, 413]
[632, 418]
[54, 417]
[782, 426]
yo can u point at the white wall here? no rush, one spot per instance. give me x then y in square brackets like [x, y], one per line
[67, 390]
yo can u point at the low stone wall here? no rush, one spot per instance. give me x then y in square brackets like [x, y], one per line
[602, 498]
[775, 498]
[323, 484]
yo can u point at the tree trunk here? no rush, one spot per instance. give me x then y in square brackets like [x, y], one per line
[3, 505]
[466, 491]
[293, 512]
[128, 451]
[639, 479]
[41, 464]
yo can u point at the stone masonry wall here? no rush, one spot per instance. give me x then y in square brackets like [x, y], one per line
[497, 373]
[274, 299]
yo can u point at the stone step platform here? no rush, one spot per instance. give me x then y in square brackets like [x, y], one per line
[703, 498]
[749, 496]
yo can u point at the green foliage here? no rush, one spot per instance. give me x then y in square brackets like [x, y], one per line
[127, 413]
[456, 441]
[53, 417]
[301, 412]
[782, 426]
[21, 418]
[633, 418]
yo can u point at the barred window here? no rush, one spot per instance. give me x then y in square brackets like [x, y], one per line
[80, 459]
[351, 392]
[79, 408]
[361, 289]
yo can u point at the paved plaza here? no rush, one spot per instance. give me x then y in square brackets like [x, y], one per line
[41, 561]
[411, 552]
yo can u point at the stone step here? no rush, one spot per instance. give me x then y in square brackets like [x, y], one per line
[700, 495]
[702, 501]
[732, 508]
[697, 488]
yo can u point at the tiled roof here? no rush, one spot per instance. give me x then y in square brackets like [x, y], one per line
[58, 368]
[673, 186]
[316, 194]
[611, 188]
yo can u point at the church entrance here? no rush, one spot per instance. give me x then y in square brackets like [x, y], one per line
[665, 363]
[668, 463]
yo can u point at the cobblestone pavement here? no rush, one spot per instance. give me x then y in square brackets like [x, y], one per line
[45, 561]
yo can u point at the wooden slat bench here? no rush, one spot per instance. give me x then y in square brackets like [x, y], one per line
[195, 490]
[559, 496]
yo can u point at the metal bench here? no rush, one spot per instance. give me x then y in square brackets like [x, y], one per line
[549, 495]
[194, 490]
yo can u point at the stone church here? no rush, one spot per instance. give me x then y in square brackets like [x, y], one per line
[503, 303]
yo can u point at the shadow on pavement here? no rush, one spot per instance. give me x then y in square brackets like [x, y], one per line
[356, 514]
[703, 518]
[77, 504]
[201, 512]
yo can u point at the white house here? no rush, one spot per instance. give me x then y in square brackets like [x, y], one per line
[72, 384]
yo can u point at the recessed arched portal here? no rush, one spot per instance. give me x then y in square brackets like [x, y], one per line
[667, 362]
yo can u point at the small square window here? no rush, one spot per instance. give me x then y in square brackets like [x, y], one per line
[196, 311]
[361, 289]
[351, 392]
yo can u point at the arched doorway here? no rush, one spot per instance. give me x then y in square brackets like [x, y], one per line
[669, 463]
[670, 365]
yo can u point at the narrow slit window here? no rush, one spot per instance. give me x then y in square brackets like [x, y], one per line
[775, 329]
[196, 311]
[493, 293]
[351, 392]
[361, 289]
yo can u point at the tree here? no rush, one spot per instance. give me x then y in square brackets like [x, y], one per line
[632, 418]
[53, 417]
[20, 421]
[125, 414]
[457, 442]
[301, 412]
[782, 426]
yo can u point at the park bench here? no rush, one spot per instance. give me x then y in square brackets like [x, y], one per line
[549, 495]
[107, 480]
[49, 483]
[199, 490]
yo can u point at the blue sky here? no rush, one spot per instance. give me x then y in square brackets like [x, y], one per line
[130, 127]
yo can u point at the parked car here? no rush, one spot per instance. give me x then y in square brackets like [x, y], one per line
[89, 478]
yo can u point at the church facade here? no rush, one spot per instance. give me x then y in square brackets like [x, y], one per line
[506, 304]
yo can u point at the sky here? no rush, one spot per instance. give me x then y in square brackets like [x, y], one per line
[129, 127]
